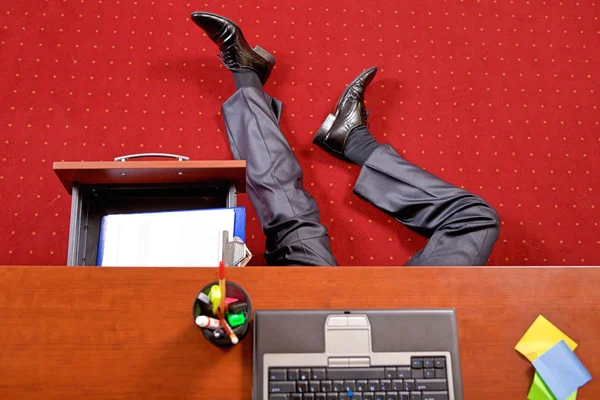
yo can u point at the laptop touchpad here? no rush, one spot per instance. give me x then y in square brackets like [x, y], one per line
[348, 334]
[348, 342]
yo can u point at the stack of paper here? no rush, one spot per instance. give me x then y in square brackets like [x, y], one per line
[559, 373]
[190, 238]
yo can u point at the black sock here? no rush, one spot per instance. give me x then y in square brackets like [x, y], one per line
[359, 145]
[246, 78]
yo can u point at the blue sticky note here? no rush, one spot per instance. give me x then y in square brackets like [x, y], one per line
[561, 370]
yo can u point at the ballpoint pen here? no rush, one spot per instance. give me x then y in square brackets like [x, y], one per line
[222, 309]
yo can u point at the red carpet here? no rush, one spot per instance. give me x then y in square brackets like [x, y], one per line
[499, 97]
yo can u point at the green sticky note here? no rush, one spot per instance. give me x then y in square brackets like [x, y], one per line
[539, 390]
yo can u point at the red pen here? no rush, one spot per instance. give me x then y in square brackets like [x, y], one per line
[222, 308]
[232, 336]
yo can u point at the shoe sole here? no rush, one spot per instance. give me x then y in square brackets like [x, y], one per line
[324, 129]
[262, 53]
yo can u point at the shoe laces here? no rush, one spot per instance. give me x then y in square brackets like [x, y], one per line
[228, 60]
[365, 116]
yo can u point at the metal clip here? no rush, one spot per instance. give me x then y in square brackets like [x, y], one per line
[235, 252]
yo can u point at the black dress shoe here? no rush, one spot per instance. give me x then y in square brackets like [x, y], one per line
[349, 113]
[236, 53]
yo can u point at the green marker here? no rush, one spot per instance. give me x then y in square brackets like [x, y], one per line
[236, 319]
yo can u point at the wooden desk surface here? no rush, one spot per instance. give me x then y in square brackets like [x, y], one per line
[103, 333]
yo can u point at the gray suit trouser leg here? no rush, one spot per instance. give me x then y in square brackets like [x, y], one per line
[288, 215]
[462, 228]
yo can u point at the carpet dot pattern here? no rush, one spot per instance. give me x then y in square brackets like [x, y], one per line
[499, 97]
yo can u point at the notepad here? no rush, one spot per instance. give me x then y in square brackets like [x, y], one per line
[540, 337]
[190, 238]
[561, 370]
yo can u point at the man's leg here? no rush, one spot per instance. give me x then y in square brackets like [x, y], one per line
[462, 228]
[288, 215]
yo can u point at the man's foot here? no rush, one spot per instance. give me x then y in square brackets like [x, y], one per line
[348, 114]
[236, 53]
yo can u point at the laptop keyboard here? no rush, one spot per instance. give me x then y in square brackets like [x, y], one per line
[424, 379]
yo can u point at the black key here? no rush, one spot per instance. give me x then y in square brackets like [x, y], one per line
[379, 396]
[385, 385]
[361, 386]
[338, 386]
[440, 362]
[397, 384]
[403, 396]
[318, 374]
[296, 396]
[417, 363]
[390, 373]
[391, 395]
[293, 374]
[308, 396]
[355, 373]
[357, 396]
[314, 386]
[417, 374]
[304, 374]
[428, 363]
[326, 386]
[321, 396]
[431, 384]
[430, 373]
[440, 373]
[435, 396]
[350, 386]
[403, 372]
[409, 385]
[332, 396]
[416, 396]
[373, 386]
[279, 396]
[282, 387]
[368, 396]
[277, 374]
[343, 396]
[302, 386]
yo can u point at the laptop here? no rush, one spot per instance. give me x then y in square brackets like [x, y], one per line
[356, 355]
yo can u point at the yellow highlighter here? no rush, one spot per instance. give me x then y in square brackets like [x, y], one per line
[215, 297]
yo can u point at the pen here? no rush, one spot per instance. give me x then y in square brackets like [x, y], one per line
[232, 336]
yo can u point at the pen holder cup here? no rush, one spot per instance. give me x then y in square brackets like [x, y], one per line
[232, 291]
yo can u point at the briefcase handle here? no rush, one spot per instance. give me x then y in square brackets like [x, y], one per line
[127, 157]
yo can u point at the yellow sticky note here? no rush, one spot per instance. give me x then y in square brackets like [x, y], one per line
[540, 337]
